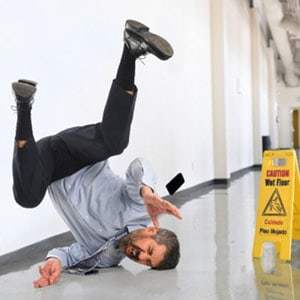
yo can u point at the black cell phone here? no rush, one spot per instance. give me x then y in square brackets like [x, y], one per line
[175, 183]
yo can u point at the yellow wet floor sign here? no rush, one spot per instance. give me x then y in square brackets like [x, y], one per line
[278, 211]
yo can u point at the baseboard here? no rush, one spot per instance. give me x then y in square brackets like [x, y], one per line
[23, 258]
[196, 191]
[257, 167]
[241, 172]
[222, 181]
[236, 175]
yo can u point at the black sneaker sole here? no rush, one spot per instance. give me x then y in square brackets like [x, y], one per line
[135, 26]
[157, 45]
[23, 91]
[30, 82]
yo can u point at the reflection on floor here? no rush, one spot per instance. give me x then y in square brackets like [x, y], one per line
[278, 279]
[216, 236]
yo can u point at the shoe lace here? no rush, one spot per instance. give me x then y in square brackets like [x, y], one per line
[142, 59]
[141, 52]
[13, 108]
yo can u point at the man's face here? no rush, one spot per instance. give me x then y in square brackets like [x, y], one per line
[142, 248]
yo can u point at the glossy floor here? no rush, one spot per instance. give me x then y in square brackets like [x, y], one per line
[216, 236]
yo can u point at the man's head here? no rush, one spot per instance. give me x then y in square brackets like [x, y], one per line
[156, 248]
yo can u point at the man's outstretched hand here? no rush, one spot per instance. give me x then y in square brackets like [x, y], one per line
[156, 205]
[50, 273]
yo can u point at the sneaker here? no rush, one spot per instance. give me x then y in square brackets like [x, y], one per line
[140, 41]
[24, 91]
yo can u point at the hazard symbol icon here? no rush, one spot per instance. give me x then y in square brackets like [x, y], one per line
[274, 206]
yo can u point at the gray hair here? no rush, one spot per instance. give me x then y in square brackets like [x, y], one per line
[169, 239]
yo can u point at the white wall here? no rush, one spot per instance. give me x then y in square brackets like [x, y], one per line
[273, 101]
[260, 86]
[239, 85]
[72, 48]
[232, 86]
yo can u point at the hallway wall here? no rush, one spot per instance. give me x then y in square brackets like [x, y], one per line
[239, 85]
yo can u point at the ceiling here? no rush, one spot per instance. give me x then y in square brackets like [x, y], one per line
[291, 22]
[283, 21]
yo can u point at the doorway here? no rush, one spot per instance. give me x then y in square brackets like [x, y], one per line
[295, 123]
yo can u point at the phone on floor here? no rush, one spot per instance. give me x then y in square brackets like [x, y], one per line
[175, 183]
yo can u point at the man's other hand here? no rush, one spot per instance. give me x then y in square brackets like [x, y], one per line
[156, 205]
[50, 273]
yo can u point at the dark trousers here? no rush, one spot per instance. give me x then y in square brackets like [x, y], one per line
[38, 164]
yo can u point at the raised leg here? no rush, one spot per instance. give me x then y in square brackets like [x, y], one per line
[36, 165]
